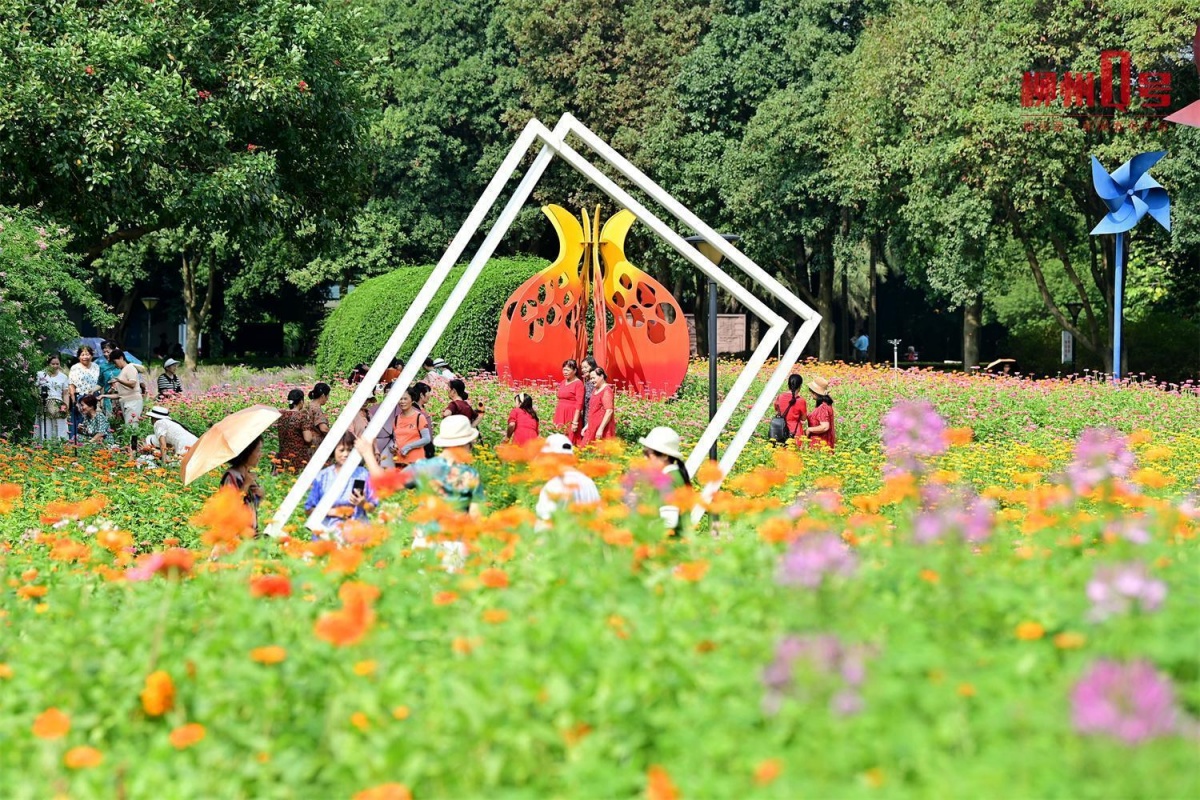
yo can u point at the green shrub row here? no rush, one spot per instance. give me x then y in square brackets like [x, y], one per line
[360, 326]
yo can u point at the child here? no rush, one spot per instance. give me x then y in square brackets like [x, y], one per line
[523, 423]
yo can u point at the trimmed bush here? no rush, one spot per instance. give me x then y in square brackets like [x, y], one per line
[360, 326]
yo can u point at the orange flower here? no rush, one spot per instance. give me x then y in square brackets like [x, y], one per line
[51, 724]
[359, 720]
[959, 436]
[788, 459]
[401, 712]
[31, 592]
[1151, 478]
[659, 785]
[691, 571]
[58, 510]
[463, 645]
[1069, 640]
[390, 482]
[83, 758]
[494, 578]
[776, 530]
[158, 696]
[444, 598]
[767, 771]
[966, 690]
[930, 576]
[116, 541]
[386, 791]
[270, 586]
[349, 624]
[6, 671]
[1030, 631]
[709, 472]
[225, 518]
[271, 654]
[494, 616]
[576, 733]
[9, 494]
[345, 560]
[187, 735]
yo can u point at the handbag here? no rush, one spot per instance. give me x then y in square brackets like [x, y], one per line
[778, 431]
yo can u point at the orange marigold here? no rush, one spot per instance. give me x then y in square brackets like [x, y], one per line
[444, 598]
[270, 586]
[1030, 631]
[271, 654]
[691, 571]
[225, 518]
[187, 735]
[386, 791]
[767, 771]
[9, 494]
[494, 616]
[360, 720]
[659, 785]
[494, 578]
[51, 724]
[83, 758]
[59, 510]
[1069, 640]
[158, 695]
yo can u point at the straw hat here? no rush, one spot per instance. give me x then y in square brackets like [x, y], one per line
[455, 431]
[557, 443]
[664, 441]
[158, 412]
[819, 387]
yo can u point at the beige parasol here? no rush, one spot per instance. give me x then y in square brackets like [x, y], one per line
[1000, 361]
[226, 439]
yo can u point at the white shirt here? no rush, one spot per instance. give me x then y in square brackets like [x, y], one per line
[57, 384]
[170, 432]
[572, 487]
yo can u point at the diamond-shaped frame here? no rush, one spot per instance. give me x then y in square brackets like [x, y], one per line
[553, 143]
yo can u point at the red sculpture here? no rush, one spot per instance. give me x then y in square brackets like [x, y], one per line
[640, 335]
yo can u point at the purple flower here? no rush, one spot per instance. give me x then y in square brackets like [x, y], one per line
[1132, 528]
[1101, 455]
[1130, 702]
[952, 511]
[912, 433]
[819, 661]
[1116, 588]
[811, 558]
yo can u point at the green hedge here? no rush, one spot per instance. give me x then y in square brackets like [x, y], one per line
[360, 326]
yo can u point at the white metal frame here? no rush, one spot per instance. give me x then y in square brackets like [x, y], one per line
[553, 143]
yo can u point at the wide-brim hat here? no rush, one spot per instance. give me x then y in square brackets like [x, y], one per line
[158, 412]
[455, 431]
[170, 362]
[819, 387]
[662, 440]
[440, 362]
[557, 443]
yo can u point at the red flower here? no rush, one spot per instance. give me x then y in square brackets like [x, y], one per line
[88, 69]
[251, 147]
[204, 94]
[302, 86]
[271, 586]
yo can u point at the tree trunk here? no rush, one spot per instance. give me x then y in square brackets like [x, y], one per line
[196, 303]
[972, 323]
[872, 300]
[825, 347]
[124, 311]
[844, 339]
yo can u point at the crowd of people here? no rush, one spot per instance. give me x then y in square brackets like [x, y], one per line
[117, 384]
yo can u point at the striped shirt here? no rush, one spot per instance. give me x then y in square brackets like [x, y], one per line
[166, 384]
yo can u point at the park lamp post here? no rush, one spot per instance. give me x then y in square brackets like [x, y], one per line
[1073, 309]
[895, 343]
[149, 303]
[709, 251]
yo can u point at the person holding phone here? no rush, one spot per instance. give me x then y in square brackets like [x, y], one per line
[357, 498]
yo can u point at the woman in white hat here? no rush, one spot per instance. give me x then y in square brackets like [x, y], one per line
[569, 488]
[169, 383]
[821, 431]
[169, 433]
[661, 448]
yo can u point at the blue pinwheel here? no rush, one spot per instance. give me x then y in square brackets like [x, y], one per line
[1130, 194]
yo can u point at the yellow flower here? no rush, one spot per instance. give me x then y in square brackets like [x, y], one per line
[271, 654]
[1069, 640]
[364, 668]
[1030, 631]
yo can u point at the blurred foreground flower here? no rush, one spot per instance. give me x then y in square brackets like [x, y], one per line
[158, 695]
[952, 511]
[1130, 702]
[1102, 456]
[350, 623]
[913, 433]
[822, 660]
[1117, 588]
[225, 518]
[811, 558]
[9, 494]
[659, 785]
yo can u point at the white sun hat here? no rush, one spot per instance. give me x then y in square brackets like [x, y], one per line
[170, 362]
[662, 440]
[557, 443]
[455, 431]
[158, 412]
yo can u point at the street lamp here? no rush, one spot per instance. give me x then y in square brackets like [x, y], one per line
[1073, 309]
[895, 343]
[149, 303]
[709, 251]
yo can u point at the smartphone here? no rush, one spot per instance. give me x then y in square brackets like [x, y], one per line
[133, 443]
[360, 486]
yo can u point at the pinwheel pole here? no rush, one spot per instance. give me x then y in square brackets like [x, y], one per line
[1130, 194]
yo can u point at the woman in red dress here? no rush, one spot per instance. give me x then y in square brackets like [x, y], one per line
[602, 417]
[568, 413]
[523, 423]
[792, 407]
[820, 421]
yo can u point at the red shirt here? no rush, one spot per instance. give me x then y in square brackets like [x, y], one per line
[526, 426]
[570, 401]
[792, 412]
[463, 409]
[822, 413]
[602, 400]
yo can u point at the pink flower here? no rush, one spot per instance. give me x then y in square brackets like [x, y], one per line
[251, 147]
[913, 432]
[952, 511]
[1116, 589]
[1102, 455]
[811, 558]
[1130, 702]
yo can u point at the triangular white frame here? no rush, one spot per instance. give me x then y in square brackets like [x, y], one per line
[554, 144]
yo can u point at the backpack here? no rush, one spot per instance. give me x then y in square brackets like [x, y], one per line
[778, 431]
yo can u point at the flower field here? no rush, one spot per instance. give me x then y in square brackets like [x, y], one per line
[989, 589]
